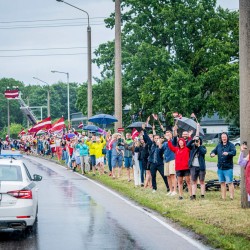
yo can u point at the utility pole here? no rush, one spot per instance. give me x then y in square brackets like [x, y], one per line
[244, 87]
[118, 74]
[8, 114]
[28, 103]
[48, 101]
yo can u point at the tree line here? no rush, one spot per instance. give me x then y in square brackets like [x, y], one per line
[177, 55]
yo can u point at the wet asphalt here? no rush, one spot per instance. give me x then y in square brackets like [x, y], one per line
[77, 213]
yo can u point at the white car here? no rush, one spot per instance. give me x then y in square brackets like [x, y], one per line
[18, 194]
[236, 142]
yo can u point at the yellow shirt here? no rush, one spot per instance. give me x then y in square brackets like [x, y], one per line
[98, 146]
[91, 145]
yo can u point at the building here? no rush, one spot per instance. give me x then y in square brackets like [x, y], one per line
[77, 118]
[214, 124]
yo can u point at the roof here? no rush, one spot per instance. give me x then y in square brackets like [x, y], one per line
[214, 120]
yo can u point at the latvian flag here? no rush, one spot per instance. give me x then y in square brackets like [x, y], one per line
[11, 93]
[80, 125]
[135, 133]
[59, 125]
[44, 124]
[21, 133]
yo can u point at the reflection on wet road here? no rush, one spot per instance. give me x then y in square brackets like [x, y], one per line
[75, 213]
[68, 219]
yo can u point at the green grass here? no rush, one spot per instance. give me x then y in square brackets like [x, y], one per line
[221, 224]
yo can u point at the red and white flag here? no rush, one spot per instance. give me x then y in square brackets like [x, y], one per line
[58, 125]
[135, 133]
[21, 133]
[11, 93]
[80, 125]
[44, 124]
[175, 114]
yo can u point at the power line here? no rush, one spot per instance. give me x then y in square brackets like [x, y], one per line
[49, 26]
[46, 55]
[51, 20]
[14, 50]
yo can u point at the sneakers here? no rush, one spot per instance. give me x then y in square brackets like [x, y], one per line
[173, 193]
[169, 193]
[153, 191]
[193, 197]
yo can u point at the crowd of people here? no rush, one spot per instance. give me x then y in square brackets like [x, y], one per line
[176, 158]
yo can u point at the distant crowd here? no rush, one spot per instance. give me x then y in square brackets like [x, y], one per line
[176, 158]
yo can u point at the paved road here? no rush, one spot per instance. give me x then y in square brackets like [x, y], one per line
[78, 213]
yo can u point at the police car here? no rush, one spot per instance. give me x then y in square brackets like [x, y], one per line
[18, 194]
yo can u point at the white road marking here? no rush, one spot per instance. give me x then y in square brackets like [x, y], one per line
[164, 224]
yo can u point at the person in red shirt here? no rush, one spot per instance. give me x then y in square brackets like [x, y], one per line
[181, 165]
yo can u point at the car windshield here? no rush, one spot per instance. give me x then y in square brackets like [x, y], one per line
[10, 173]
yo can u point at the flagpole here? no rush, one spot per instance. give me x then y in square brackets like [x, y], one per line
[8, 112]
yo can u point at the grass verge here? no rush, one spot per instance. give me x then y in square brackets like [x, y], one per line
[221, 224]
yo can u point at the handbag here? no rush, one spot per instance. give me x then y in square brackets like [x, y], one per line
[104, 151]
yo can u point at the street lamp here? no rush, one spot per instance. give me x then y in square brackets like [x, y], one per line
[89, 60]
[48, 97]
[66, 73]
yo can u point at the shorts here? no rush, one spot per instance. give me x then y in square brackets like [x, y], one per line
[145, 165]
[128, 162]
[196, 172]
[92, 160]
[116, 161]
[225, 175]
[169, 168]
[99, 160]
[182, 173]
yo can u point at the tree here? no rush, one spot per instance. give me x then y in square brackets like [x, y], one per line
[176, 57]
[36, 95]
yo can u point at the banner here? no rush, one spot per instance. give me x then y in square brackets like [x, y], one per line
[21, 133]
[59, 125]
[11, 93]
[44, 124]
[80, 125]
[135, 133]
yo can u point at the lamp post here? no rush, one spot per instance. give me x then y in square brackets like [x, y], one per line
[48, 94]
[89, 59]
[66, 73]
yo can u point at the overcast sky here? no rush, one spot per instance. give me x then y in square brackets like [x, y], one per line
[21, 42]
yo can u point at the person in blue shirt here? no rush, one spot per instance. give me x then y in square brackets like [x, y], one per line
[225, 151]
[83, 154]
